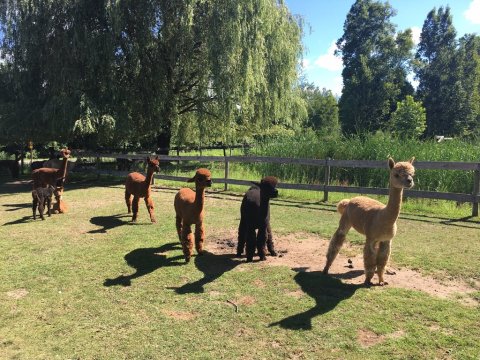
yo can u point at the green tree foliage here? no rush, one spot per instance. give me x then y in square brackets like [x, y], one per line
[150, 67]
[438, 73]
[376, 60]
[409, 120]
[322, 110]
[467, 101]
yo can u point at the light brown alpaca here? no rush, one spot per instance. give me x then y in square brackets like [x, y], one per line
[374, 220]
[139, 186]
[189, 210]
[50, 176]
[60, 207]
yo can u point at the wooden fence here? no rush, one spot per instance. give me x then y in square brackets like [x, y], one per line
[327, 164]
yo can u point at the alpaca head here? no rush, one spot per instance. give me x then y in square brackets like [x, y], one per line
[268, 187]
[401, 173]
[154, 164]
[202, 178]
[65, 153]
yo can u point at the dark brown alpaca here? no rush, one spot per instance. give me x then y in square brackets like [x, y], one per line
[140, 187]
[41, 197]
[189, 210]
[50, 176]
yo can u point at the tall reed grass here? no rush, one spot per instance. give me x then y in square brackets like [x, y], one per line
[370, 147]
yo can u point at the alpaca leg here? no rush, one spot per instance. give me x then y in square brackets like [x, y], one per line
[369, 261]
[150, 209]
[270, 246]
[187, 242]
[336, 242]
[135, 202]
[178, 224]
[34, 208]
[242, 237]
[261, 242]
[382, 260]
[251, 243]
[128, 201]
[41, 208]
[49, 206]
[199, 237]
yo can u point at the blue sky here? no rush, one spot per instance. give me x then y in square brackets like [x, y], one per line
[324, 25]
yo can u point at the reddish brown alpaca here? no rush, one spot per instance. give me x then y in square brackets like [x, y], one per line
[189, 210]
[140, 187]
[50, 176]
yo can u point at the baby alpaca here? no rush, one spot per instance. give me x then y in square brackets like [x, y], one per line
[255, 214]
[140, 186]
[42, 196]
[189, 210]
[374, 220]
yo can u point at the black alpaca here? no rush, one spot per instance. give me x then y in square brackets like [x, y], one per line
[42, 196]
[255, 214]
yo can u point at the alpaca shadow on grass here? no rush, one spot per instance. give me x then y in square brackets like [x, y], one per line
[327, 291]
[213, 266]
[15, 207]
[107, 223]
[22, 220]
[146, 261]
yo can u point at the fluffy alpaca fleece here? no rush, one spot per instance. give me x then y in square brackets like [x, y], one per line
[60, 206]
[374, 220]
[189, 211]
[41, 197]
[255, 215]
[139, 186]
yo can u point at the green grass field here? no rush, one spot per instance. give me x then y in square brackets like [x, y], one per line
[91, 285]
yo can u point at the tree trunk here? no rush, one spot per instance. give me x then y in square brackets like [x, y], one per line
[163, 140]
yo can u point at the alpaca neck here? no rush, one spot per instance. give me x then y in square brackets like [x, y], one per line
[149, 177]
[392, 210]
[63, 169]
[199, 197]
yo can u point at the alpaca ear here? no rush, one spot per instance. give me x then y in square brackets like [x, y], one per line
[412, 160]
[391, 163]
[192, 179]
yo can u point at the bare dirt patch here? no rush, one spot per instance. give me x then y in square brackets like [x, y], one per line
[179, 315]
[307, 252]
[17, 294]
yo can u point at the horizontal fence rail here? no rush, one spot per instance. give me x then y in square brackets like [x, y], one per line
[326, 187]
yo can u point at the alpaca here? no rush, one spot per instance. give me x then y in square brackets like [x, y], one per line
[189, 210]
[374, 220]
[60, 206]
[41, 197]
[50, 176]
[139, 186]
[255, 214]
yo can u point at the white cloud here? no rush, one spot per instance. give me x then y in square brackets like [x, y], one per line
[472, 14]
[306, 64]
[416, 31]
[329, 61]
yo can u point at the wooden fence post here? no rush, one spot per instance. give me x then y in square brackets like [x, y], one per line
[476, 190]
[226, 173]
[326, 182]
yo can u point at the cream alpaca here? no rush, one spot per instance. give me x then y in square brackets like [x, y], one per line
[374, 220]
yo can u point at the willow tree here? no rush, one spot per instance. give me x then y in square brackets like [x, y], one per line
[137, 70]
[58, 54]
[231, 63]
